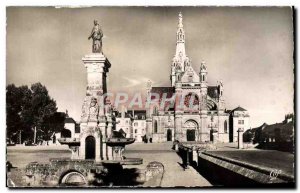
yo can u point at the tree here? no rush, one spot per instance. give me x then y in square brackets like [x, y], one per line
[248, 136]
[17, 104]
[27, 109]
[52, 124]
[12, 110]
[25, 113]
[42, 108]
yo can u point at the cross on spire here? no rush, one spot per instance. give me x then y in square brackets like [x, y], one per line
[180, 24]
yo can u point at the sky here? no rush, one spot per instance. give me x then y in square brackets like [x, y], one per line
[249, 48]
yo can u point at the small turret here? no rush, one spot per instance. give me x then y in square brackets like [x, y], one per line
[203, 72]
[220, 88]
[173, 76]
[221, 105]
[149, 86]
[178, 72]
[203, 77]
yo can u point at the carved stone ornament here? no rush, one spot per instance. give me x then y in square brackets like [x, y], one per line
[93, 110]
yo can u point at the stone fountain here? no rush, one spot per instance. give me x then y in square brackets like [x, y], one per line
[98, 150]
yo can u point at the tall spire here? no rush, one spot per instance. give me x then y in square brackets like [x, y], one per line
[180, 46]
[180, 60]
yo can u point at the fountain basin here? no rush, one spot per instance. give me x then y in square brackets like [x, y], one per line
[69, 141]
[119, 141]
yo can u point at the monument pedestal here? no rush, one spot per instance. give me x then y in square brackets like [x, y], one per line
[93, 125]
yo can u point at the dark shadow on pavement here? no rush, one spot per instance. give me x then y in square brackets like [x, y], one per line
[126, 177]
[182, 165]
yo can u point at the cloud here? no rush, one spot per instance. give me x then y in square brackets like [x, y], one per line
[133, 82]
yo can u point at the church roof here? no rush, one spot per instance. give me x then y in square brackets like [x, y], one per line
[212, 91]
[163, 92]
[189, 75]
[70, 120]
[239, 109]
[168, 91]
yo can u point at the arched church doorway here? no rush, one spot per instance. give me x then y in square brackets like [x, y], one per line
[190, 134]
[90, 147]
[169, 135]
[191, 127]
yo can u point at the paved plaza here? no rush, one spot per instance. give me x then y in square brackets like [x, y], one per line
[174, 174]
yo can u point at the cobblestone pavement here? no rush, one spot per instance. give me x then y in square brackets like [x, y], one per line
[174, 174]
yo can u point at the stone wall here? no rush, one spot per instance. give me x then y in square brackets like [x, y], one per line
[228, 172]
[53, 173]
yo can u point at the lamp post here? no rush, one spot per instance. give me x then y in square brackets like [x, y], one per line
[20, 133]
[240, 138]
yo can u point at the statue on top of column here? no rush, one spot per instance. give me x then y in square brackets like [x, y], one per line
[96, 35]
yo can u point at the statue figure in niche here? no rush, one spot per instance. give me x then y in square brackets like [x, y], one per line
[108, 106]
[178, 67]
[94, 109]
[186, 62]
[180, 35]
[96, 35]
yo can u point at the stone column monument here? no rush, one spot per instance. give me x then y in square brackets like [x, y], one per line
[94, 117]
[97, 142]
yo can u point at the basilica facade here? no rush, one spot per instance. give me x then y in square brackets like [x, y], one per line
[190, 109]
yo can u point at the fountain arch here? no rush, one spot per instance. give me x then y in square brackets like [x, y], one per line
[90, 147]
